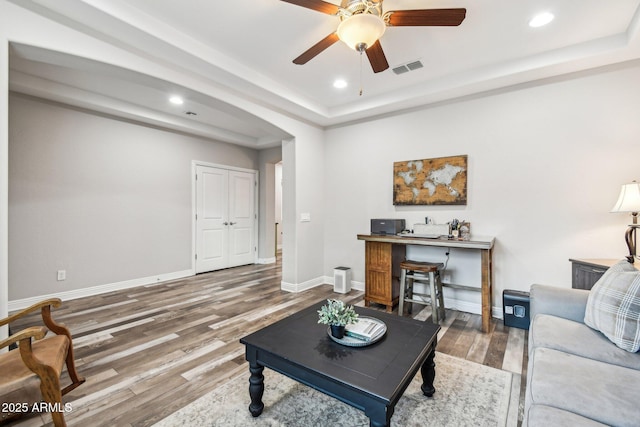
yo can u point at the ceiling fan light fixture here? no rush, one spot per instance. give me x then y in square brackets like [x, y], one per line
[361, 29]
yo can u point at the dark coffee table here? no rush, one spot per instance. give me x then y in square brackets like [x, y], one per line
[371, 378]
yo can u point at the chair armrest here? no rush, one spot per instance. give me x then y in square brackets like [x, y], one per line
[52, 302]
[560, 302]
[37, 332]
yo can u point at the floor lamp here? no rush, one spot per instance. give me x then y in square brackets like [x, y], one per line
[629, 201]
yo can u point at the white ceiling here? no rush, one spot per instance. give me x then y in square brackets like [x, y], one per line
[246, 47]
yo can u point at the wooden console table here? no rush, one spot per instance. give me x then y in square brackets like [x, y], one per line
[383, 254]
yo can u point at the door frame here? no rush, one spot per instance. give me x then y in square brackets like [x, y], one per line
[194, 165]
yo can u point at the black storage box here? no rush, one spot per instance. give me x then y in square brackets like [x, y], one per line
[516, 308]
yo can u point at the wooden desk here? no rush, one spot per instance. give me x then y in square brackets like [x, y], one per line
[383, 254]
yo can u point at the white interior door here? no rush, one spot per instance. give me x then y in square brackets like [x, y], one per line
[212, 237]
[225, 218]
[241, 218]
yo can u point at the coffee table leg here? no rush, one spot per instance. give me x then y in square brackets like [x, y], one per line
[379, 416]
[256, 389]
[428, 371]
[373, 423]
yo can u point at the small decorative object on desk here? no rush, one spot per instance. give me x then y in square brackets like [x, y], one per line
[460, 230]
[465, 230]
[337, 314]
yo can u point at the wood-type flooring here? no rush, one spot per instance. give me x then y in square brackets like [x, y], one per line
[148, 351]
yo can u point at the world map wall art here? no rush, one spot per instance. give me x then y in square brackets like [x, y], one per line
[439, 181]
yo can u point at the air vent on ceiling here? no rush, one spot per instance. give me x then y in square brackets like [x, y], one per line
[409, 66]
[414, 65]
[401, 69]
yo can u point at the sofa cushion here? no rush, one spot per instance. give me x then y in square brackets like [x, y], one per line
[541, 415]
[599, 391]
[579, 339]
[613, 306]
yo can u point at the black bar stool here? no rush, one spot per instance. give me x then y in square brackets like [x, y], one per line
[429, 273]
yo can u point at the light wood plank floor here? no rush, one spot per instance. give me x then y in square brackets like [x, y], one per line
[147, 352]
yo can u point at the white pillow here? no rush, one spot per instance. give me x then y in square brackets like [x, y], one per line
[613, 306]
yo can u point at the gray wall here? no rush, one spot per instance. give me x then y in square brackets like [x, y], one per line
[104, 199]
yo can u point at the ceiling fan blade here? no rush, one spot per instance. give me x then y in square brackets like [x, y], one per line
[427, 17]
[377, 58]
[318, 5]
[316, 49]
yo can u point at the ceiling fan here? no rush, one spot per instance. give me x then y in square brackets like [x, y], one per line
[362, 23]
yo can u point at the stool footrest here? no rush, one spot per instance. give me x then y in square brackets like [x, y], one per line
[418, 301]
[418, 277]
[420, 295]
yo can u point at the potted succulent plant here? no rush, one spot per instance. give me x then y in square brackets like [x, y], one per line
[337, 315]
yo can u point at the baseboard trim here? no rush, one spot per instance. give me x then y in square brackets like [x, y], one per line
[466, 306]
[300, 287]
[358, 286]
[271, 260]
[471, 307]
[100, 289]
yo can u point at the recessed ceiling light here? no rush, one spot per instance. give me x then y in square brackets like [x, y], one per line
[176, 100]
[541, 19]
[340, 84]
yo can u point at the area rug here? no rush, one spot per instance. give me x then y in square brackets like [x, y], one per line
[467, 394]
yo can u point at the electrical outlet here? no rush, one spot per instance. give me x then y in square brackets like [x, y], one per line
[62, 275]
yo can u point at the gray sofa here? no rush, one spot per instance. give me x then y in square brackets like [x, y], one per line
[576, 376]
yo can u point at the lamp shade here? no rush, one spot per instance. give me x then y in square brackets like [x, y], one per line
[361, 29]
[629, 199]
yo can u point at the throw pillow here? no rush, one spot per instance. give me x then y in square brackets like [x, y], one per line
[613, 306]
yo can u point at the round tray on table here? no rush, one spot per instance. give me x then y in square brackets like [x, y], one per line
[355, 342]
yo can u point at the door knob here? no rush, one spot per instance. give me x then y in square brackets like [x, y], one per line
[231, 223]
[225, 223]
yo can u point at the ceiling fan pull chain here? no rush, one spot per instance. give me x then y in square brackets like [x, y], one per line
[360, 73]
[361, 49]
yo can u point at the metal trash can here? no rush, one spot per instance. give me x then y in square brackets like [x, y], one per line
[515, 306]
[342, 280]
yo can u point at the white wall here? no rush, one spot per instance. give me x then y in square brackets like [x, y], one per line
[106, 200]
[303, 193]
[545, 167]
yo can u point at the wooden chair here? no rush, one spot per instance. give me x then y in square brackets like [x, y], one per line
[38, 362]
